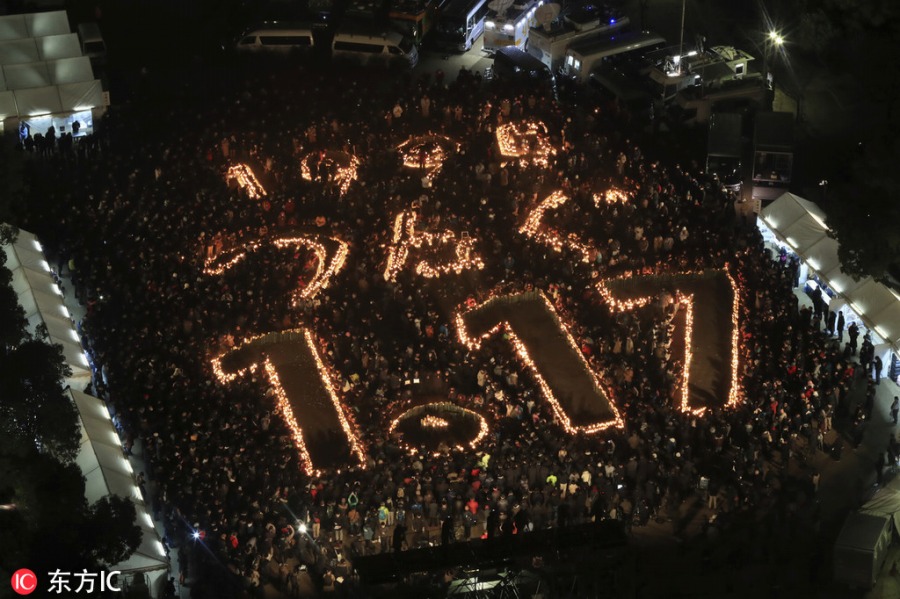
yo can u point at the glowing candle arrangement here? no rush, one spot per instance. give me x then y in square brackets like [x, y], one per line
[246, 180]
[527, 140]
[534, 228]
[405, 237]
[521, 351]
[735, 393]
[342, 166]
[611, 196]
[427, 152]
[434, 422]
[325, 268]
[283, 407]
[282, 402]
[430, 420]
[327, 380]
[686, 302]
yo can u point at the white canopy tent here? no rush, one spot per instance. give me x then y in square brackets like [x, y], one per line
[800, 224]
[886, 502]
[42, 301]
[37, 24]
[108, 472]
[101, 460]
[42, 70]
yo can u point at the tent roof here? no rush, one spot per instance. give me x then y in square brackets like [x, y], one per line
[801, 224]
[861, 531]
[100, 458]
[38, 24]
[790, 208]
[41, 300]
[886, 502]
[42, 70]
[36, 49]
[48, 72]
[107, 472]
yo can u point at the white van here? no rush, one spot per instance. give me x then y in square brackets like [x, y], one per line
[386, 48]
[584, 57]
[277, 36]
[92, 44]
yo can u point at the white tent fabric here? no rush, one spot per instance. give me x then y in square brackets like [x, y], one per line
[51, 47]
[107, 472]
[42, 74]
[801, 224]
[38, 24]
[42, 70]
[83, 95]
[8, 104]
[42, 301]
[886, 502]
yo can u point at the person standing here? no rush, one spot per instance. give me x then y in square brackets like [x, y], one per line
[840, 326]
[895, 409]
[399, 538]
[877, 367]
[853, 333]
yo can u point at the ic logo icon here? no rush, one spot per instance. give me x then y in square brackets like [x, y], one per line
[24, 581]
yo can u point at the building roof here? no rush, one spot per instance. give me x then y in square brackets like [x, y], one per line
[802, 225]
[42, 70]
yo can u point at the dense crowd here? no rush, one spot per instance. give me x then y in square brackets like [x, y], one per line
[134, 217]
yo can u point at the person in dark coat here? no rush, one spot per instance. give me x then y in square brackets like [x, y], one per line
[399, 538]
[831, 321]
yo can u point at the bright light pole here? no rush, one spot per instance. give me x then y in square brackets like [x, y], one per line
[773, 40]
[681, 39]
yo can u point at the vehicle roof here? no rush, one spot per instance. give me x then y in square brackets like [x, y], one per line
[774, 129]
[455, 7]
[279, 27]
[90, 30]
[356, 35]
[724, 135]
[519, 57]
[607, 43]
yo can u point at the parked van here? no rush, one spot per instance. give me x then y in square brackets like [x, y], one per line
[385, 48]
[277, 36]
[92, 44]
[517, 66]
[584, 57]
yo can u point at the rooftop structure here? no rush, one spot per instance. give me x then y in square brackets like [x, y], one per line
[44, 78]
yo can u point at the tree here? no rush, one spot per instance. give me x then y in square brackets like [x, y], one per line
[33, 407]
[863, 212]
[53, 526]
[12, 183]
[109, 530]
[12, 317]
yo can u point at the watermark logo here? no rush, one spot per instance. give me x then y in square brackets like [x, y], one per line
[24, 581]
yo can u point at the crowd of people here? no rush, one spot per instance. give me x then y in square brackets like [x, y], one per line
[133, 220]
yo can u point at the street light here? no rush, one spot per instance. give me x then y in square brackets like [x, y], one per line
[773, 40]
